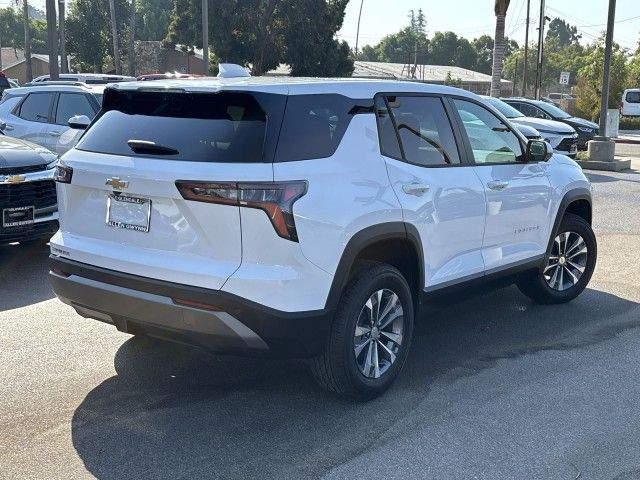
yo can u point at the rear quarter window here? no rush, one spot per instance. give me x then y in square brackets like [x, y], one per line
[633, 97]
[314, 125]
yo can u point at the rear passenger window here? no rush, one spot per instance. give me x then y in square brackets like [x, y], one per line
[35, 107]
[425, 133]
[71, 104]
[313, 126]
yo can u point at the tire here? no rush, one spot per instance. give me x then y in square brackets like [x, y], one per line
[339, 369]
[541, 285]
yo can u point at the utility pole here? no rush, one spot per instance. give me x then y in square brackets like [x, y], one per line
[538, 85]
[205, 35]
[515, 78]
[64, 64]
[358, 29]
[604, 99]
[52, 39]
[526, 52]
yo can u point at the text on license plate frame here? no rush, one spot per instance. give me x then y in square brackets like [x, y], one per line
[30, 217]
[115, 203]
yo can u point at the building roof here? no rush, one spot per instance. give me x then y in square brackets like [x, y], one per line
[399, 71]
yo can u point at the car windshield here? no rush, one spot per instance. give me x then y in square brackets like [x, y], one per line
[553, 110]
[505, 109]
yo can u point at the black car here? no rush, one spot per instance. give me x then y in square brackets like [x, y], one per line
[4, 83]
[28, 202]
[536, 108]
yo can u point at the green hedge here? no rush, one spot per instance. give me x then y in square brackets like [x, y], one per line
[629, 123]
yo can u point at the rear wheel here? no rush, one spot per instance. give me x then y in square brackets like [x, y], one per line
[370, 335]
[568, 265]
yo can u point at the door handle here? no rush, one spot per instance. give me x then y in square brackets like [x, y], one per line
[55, 134]
[498, 184]
[416, 189]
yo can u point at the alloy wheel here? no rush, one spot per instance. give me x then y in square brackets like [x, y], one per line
[567, 261]
[378, 333]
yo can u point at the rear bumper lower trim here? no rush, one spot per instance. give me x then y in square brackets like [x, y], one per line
[136, 304]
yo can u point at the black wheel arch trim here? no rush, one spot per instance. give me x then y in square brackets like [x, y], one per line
[570, 197]
[364, 238]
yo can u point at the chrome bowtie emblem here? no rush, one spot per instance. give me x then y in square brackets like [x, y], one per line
[14, 178]
[117, 183]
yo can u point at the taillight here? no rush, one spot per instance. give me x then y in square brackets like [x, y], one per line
[275, 199]
[63, 174]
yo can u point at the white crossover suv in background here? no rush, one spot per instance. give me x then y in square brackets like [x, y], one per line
[308, 218]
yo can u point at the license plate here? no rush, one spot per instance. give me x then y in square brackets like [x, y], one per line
[129, 213]
[17, 216]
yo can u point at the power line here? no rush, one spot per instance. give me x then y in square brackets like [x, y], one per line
[604, 24]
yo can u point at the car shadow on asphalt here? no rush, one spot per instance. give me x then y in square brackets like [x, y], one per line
[23, 275]
[598, 178]
[174, 411]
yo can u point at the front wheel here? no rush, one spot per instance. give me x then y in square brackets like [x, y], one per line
[568, 265]
[370, 335]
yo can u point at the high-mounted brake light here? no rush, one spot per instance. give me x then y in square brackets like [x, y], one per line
[63, 174]
[275, 199]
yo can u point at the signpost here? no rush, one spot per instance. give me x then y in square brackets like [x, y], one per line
[564, 78]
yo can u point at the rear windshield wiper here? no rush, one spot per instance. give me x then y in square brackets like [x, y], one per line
[147, 146]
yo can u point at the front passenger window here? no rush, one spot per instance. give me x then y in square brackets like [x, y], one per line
[491, 140]
[423, 128]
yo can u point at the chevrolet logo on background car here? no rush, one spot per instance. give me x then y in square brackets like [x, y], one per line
[13, 179]
[117, 184]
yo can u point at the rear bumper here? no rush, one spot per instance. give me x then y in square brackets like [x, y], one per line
[231, 324]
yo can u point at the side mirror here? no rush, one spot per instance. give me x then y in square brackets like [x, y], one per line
[80, 122]
[538, 151]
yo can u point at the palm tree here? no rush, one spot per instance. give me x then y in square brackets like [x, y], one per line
[27, 39]
[500, 9]
[52, 39]
[114, 34]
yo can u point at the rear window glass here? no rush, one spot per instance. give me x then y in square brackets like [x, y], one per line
[633, 97]
[313, 126]
[226, 127]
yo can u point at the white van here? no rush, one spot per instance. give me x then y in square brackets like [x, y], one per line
[631, 102]
[88, 78]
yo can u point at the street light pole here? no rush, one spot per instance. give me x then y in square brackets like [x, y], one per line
[358, 29]
[604, 99]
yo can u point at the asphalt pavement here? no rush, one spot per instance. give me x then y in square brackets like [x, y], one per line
[495, 387]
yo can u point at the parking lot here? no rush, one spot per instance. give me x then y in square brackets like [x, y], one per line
[495, 387]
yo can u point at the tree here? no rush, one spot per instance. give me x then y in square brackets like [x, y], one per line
[89, 31]
[483, 47]
[64, 63]
[589, 86]
[10, 30]
[264, 33]
[500, 9]
[446, 48]
[633, 80]
[152, 19]
[406, 46]
[563, 33]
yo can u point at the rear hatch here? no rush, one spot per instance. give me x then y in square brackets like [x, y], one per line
[123, 210]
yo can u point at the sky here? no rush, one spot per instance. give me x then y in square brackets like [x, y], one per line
[473, 18]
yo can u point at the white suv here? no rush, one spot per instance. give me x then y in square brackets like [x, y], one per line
[308, 218]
